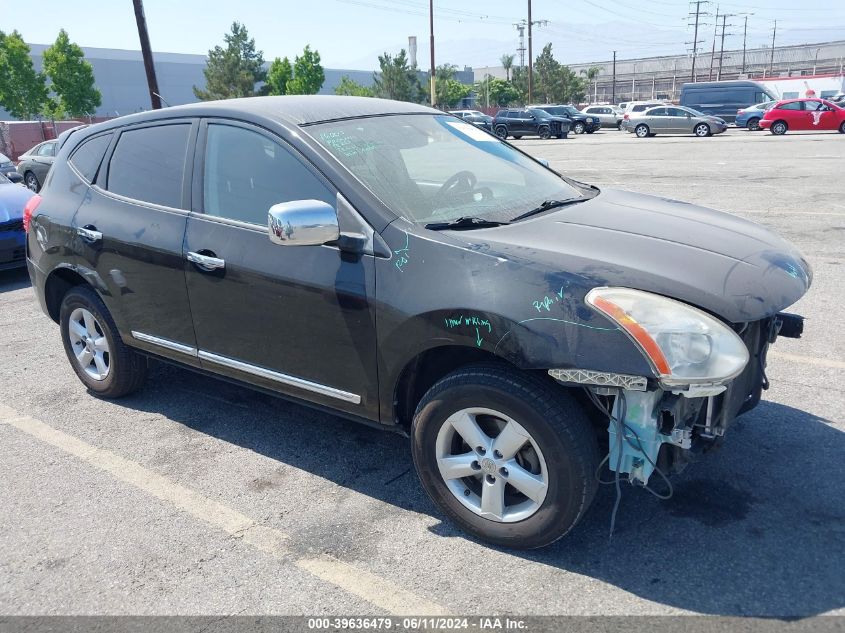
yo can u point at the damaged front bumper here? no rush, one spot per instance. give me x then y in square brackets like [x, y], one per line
[658, 426]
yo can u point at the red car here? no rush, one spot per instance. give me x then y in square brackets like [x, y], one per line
[803, 114]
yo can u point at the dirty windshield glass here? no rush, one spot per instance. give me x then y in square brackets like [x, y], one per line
[439, 168]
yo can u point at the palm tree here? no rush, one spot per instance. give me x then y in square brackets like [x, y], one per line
[507, 64]
[591, 75]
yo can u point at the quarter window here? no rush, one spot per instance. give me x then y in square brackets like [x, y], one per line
[148, 164]
[48, 149]
[246, 173]
[87, 157]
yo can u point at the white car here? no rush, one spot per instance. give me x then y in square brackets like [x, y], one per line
[608, 115]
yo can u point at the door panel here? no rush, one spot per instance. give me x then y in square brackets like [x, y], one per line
[131, 248]
[296, 319]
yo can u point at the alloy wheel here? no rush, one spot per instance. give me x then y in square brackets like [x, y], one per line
[641, 131]
[31, 182]
[492, 465]
[702, 130]
[89, 343]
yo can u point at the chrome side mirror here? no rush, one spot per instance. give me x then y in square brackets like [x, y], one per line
[302, 223]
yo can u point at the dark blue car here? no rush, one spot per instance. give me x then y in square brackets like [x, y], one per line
[13, 197]
[750, 117]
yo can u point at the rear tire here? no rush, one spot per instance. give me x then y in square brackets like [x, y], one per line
[104, 364]
[501, 132]
[642, 131]
[779, 128]
[753, 124]
[551, 452]
[517, 137]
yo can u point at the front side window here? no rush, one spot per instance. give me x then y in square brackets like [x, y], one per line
[793, 105]
[246, 173]
[148, 164]
[87, 157]
[431, 168]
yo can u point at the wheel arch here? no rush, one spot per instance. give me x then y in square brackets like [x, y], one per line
[57, 285]
[427, 367]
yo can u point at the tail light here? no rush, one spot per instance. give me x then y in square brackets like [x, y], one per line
[740, 111]
[626, 116]
[29, 209]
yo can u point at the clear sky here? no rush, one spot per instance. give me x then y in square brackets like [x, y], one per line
[351, 33]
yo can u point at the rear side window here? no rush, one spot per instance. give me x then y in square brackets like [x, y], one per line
[48, 149]
[246, 173]
[148, 164]
[88, 156]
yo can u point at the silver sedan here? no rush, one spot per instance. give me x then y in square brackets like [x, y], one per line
[672, 120]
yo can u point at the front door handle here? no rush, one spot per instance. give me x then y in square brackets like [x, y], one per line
[206, 262]
[89, 233]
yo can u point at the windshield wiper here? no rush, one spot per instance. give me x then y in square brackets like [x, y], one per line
[549, 204]
[465, 222]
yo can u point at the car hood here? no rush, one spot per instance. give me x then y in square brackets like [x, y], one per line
[12, 200]
[724, 264]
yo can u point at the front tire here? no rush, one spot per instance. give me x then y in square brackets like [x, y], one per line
[701, 130]
[507, 456]
[578, 128]
[106, 366]
[544, 132]
[642, 130]
[842, 128]
[779, 128]
[31, 182]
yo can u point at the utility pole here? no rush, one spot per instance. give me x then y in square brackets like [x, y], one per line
[725, 16]
[147, 54]
[772, 60]
[520, 26]
[713, 50]
[530, 57]
[744, 40]
[431, 40]
[695, 40]
[613, 90]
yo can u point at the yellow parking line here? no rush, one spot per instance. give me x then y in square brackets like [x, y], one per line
[361, 583]
[808, 360]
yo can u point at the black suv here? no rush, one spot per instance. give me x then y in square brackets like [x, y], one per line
[581, 123]
[395, 265]
[519, 122]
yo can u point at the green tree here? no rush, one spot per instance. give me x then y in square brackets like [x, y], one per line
[554, 82]
[397, 80]
[352, 88]
[72, 80]
[233, 70]
[22, 90]
[308, 75]
[507, 64]
[500, 92]
[448, 90]
[278, 76]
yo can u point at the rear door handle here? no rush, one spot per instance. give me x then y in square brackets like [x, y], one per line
[89, 233]
[206, 262]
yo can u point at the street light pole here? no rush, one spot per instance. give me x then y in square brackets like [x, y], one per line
[530, 57]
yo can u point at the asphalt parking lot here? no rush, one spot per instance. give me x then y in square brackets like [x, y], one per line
[194, 496]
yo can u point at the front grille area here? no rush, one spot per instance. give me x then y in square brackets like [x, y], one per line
[12, 225]
[555, 127]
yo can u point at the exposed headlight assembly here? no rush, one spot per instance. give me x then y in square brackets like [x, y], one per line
[685, 346]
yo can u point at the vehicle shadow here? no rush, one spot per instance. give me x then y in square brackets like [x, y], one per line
[756, 528]
[14, 279]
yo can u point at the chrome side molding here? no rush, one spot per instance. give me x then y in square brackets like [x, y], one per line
[166, 343]
[284, 379]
